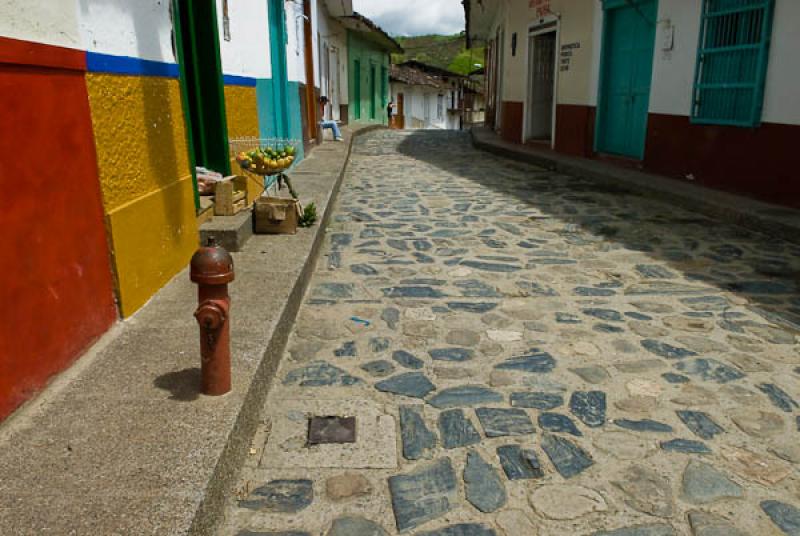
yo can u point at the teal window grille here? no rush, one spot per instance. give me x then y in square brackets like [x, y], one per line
[732, 62]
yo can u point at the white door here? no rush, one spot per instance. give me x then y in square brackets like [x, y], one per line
[333, 82]
[541, 85]
[324, 76]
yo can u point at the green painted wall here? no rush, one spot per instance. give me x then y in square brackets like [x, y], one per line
[373, 81]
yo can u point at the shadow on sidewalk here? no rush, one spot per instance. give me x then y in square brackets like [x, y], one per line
[762, 269]
[183, 385]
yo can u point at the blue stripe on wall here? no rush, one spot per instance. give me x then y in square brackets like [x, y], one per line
[107, 63]
[236, 80]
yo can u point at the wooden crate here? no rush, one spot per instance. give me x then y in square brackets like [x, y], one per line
[230, 196]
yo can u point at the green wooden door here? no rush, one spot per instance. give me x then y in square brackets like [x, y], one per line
[357, 89]
[627, 67]
[197, 39]
[373, 90]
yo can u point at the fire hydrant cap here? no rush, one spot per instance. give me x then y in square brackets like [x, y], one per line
[211, 265]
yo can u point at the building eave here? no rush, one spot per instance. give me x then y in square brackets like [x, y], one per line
[339, 8]
[371, 32]
[479, 15]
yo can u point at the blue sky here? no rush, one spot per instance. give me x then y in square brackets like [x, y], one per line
[414, 17]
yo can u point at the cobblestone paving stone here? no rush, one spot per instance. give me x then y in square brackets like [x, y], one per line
[554, 356]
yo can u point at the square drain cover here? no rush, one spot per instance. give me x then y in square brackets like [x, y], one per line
[323, 430]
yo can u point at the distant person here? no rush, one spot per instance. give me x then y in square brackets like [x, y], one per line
[329, 123]
[389, 111]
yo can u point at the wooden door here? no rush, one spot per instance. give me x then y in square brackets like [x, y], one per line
[312, 104]
[541, 83]
[626, 72]
[400, 118]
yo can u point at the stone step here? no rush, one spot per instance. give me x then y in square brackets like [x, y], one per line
[230, 232]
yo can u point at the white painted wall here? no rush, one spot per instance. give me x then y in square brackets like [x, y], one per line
[782, 91]
[295, 63]
[414, 101]
[673, 71]
[316, 9]
[248, 52]
[52, 22]
[597, 50]
[140, 29]
[331, 33]
[576, 24]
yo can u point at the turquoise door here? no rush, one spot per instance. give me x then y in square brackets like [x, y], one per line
[372, 91]
[627, 66]
[280, 80]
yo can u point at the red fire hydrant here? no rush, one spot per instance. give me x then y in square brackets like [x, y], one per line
[212, 269]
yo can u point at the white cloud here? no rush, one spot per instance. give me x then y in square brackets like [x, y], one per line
[414, 17]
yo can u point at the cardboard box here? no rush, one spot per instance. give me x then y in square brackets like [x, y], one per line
[275, 215]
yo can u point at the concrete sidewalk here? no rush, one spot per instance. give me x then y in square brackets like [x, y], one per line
[775, 220]
[123, 443]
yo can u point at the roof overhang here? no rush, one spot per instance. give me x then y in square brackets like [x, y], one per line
[480, 15]
[370, 32]
[339, 8]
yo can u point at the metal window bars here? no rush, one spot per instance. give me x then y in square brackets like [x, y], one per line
[732, 62]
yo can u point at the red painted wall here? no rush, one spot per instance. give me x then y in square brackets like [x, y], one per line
[511, 121]
[56, 290]
[758, 162]
[575, 129]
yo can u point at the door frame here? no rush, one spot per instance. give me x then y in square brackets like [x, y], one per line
[202, 87]
[541, 27]
[308, 60]
[400, 117]
[611, 5]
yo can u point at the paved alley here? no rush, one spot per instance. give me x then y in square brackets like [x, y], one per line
[516, 352]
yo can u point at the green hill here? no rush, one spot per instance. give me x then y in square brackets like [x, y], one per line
[443, 51]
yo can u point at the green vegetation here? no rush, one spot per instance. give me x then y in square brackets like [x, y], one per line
[443, 51]
[309, 216]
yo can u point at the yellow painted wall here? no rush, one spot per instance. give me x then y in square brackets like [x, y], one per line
[145, 179]
[241, 111]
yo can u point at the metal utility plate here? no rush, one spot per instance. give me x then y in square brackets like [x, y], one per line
[328, 430]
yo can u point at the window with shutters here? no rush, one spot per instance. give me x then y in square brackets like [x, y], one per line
[732, 62]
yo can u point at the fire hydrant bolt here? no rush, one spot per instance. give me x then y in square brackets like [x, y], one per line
[212, 270]
[211, 315]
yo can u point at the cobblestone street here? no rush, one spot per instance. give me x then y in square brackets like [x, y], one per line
[529, 353]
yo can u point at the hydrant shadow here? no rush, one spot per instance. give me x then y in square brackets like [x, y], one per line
[184, 385]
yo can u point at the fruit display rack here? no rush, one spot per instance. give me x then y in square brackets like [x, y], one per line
[268, 158]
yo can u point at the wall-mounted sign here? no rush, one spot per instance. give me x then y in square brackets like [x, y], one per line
[567, 52]
[542, 7]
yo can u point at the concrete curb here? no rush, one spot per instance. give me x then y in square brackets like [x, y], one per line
[123, 442]
[780, 222]
[225, 474]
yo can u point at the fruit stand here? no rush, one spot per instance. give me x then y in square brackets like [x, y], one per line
[268, 158]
